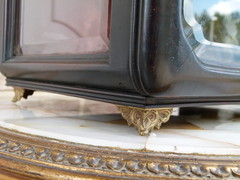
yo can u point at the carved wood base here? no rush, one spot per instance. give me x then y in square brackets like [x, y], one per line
[145, 120]
[43, 158]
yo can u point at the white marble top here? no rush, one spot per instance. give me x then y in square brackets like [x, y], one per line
[99, 124]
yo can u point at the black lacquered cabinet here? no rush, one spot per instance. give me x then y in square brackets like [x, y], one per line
[145, 55]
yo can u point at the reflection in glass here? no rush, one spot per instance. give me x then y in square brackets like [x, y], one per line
[50, 27]
[220, 20]
[212, 28]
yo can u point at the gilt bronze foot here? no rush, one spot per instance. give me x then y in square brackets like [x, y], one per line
[145, 120]
[20, 93]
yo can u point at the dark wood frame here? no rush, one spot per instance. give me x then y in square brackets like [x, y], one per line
[151, 62]
[85, 66]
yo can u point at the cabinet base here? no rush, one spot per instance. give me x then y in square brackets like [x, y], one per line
[145, 120]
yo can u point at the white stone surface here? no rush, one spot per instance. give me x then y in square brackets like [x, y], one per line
[58, 123]
[93, 123]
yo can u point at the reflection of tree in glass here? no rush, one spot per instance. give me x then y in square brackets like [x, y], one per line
[205, 20]
[221, 28]
[236, 17]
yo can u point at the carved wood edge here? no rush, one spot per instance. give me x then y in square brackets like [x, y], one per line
[45, 158]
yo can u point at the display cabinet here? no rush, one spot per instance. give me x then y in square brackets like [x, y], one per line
[145, 56]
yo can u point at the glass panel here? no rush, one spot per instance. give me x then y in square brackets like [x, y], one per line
[60, 27]
[213, 30]
[220, 20]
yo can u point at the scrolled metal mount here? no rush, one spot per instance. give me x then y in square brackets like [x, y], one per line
[145, 120]
[20, 93]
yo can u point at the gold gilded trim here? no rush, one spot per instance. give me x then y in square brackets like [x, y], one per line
[145, 120]
[51, 159]
[18, 94]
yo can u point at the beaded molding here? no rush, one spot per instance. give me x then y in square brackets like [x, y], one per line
[144, 168]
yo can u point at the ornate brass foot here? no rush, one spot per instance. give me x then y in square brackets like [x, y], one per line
[145, 120]
[21, 93]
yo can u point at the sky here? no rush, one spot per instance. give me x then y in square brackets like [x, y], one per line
[212, 6]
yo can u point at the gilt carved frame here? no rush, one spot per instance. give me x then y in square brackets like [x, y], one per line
[39, 157]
